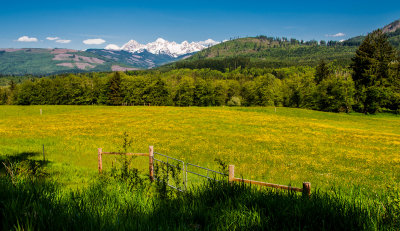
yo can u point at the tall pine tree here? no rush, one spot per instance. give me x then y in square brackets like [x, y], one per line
[371, 71]
[114, 96]
[322, 71]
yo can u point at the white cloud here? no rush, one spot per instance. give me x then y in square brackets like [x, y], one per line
[52, 38]
[94, 41]
[340, 34]
[63, 41]
[112, 47]
[27, 39]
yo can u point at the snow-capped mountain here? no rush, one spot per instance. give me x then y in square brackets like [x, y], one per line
[112, 47]
[208, 43]
[133, 46]
[162, 46]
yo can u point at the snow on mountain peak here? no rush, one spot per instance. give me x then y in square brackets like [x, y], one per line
[162, 46]
[208, 42]
[133, 46]
[161, 40]
[112, 47]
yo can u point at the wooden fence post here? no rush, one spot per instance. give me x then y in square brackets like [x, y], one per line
[306, 189]
[44, 157]
[100, 150]
[151, 165]
[231, 173]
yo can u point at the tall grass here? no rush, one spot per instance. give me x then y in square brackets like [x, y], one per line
[34, 203]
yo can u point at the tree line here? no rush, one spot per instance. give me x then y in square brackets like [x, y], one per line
[370, 85]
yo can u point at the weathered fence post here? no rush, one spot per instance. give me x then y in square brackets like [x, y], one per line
[306, 189]
[231, 173]
[151, 165]
[100, 150]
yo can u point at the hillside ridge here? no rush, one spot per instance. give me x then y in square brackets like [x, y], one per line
[274, 52]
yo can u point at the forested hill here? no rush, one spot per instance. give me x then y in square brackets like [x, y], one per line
[262, 51]
[270, 52]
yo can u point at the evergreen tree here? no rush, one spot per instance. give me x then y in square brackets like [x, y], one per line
[12, 85]
[322, 71]
[114, 90]
[12, 92]
[157, 93]
[371, 71]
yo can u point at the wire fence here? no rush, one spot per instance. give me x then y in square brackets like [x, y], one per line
[180, 175]
[174, 172]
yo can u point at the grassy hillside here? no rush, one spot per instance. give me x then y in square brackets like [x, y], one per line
[27, 62]
[51, 61]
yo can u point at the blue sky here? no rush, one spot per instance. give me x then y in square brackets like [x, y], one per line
[116, 22]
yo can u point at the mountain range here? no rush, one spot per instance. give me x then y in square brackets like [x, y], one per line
[260, 51]
[153, 54]
[162, 46]
[131, 56]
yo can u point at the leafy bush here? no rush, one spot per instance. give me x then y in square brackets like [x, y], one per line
[234, 101]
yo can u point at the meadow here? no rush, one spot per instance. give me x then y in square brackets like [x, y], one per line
[352, 161]
[288, 146]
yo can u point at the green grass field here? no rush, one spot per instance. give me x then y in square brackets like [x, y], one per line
[352, 161]
[288, 146]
